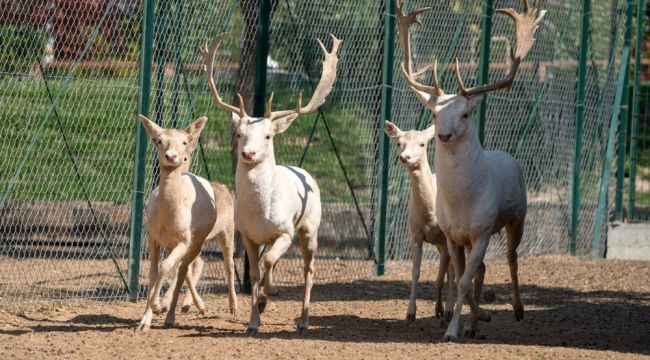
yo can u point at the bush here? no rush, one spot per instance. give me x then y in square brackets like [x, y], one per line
[20, 48]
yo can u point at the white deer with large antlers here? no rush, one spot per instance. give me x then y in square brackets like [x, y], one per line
[273, 202]
[479, 192]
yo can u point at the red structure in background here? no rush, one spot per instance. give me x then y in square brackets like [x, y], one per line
[69, 22]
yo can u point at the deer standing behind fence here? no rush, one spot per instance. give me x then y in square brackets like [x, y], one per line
[479, 192]
[273, 202]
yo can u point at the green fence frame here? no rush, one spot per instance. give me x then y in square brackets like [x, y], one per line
[634, 126]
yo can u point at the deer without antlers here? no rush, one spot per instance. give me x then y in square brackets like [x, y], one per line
[479, 192]
[273, 202]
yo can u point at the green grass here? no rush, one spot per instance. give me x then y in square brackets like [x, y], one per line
[99, 120]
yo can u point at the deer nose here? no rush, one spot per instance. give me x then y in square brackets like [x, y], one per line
[404, 158]
[444, 137]
[171, 157]
[248, 155]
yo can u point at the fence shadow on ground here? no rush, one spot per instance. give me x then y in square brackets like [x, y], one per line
[555, 317]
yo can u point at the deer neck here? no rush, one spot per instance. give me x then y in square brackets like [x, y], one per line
[423, 192]
[255, 184]
[169, 187]
[462, 169]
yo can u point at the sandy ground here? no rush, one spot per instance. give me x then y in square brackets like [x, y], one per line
[575, 308]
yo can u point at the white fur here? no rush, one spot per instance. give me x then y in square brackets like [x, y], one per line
[423, 225]
[480, 192]
[273, 203]
[181, 213]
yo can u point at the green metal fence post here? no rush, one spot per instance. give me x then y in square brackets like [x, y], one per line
[259, 92]
[484, 63]
[580, 117]
[383, 154]
[634, 126]
[137, 203]
[622, 133]
[596, 243]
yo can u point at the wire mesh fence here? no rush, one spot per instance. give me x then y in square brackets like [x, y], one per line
[69, 92]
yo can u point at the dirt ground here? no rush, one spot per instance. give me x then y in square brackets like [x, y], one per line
[575, 308]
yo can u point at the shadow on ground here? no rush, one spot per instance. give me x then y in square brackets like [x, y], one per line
[556, 317]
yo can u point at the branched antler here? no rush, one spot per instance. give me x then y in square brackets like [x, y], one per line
[404, 22]
[324, 87]
[526, 24]
[208, 55]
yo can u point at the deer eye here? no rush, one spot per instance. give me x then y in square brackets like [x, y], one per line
[434, 115]
[267, 137]
[465, 116]
[184, 142]
[422, 145]
[157, 141]
[238, 136]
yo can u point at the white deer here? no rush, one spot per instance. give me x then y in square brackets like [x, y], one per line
[181, 213]
[273, 202]
[423, 225]
[480, 192]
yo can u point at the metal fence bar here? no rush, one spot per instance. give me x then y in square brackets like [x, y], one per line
[262, 52]
[634, 126]
[580, 116]
[596, 242]
[484, 63]
[622, 139]
[383, 154]
[137, 204]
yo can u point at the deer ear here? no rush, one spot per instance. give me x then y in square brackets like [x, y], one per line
[283, 123]
[195, 128]
[473, 101]
[150, 127]
[431, 132]
[392, 130]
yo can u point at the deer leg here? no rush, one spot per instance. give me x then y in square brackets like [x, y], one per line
[514, 233]
[166, 267]
[416, 253]
[471, 325]
[279, 247]
[443, 264]
[308, 246]
[154, 257]
[465, 286]
[269, 286]
[186, 259]
[456, 256]
[252, 250]
[172, 277]
[227, 243]
[192, 296]
[449, 301]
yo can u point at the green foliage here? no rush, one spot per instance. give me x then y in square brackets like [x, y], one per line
[20, 48]
[99, 123]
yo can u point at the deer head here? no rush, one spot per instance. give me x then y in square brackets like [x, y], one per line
[255, 135]
[174, 147]
[411, 145]
[452, 112]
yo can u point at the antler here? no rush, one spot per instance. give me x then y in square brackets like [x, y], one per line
[404, 22]
[324, 87]
[526, 24]
[208, 60]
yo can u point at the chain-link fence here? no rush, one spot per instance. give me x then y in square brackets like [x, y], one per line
[69, 89]
[534, 120]
[638, 188]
